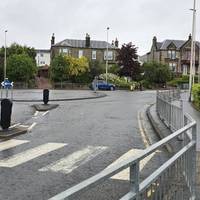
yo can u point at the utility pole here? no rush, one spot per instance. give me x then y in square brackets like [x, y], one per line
[5, 57]
[107, 57]
[192, 58]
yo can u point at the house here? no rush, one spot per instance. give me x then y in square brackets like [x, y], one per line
[43, 61]
[94, 50]
[174, 53]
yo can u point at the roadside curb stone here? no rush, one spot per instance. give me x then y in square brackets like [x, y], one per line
[161, 130]
[11, 132]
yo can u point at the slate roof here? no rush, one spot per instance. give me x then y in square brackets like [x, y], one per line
[178, 43]
[94, 44]
[42, 50]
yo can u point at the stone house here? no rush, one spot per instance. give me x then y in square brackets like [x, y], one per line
[174, 53]
[92, 49]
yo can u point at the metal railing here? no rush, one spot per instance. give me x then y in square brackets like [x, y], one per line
[168, 182]
[169, 108]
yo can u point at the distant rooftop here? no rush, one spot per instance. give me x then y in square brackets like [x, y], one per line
[94, 44]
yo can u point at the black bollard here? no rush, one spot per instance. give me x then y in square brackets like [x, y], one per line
[6, 111]
[45, 96]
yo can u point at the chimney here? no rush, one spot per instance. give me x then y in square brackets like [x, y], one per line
[116, 43]
[52, 40]
[154, 40]
[190, 37]
[87, 40]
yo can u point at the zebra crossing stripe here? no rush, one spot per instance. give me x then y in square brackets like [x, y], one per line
[11, 143]
[124, 175]
[30, 154]
[68, 164]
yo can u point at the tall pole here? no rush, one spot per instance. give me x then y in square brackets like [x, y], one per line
[192, 60]
[5, 57]
[107, 57]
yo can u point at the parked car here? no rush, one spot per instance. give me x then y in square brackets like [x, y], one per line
[102, 85]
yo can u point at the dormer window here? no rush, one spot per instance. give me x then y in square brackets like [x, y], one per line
[171, 54]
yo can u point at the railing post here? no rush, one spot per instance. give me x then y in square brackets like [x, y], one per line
[194, 161]
[134, 179]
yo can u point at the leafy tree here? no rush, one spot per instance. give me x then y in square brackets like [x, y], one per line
[15, 49]
[127, 61]
[96, 68]
[59, 68]
[21, 68]
[156, 73]
[77, 66]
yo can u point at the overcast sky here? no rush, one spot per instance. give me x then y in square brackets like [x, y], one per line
[32, 22]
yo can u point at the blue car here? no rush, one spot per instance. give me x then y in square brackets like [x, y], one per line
[102, 85]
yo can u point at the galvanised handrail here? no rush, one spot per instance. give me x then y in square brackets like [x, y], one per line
[155, 184]
[169, 108]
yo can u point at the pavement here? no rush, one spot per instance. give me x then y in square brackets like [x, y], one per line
[36, 95]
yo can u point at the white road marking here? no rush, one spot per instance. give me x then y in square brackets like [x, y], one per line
[36, 113]
[45, 113]
[31, 126]
[14, 125]
[30, 154]
[11, 143]
[124, 175]
[68, 164]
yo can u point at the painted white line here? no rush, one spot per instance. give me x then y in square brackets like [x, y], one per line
[25, 126]
[68, 164]
[11, 143]
[14, 125]
[31, 126]
[45, 113]
[30, 154]
[35, 114]
[124, 175]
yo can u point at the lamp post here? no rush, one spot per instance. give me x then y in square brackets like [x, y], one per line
[192, 58]
[107, 57]
[5, 57]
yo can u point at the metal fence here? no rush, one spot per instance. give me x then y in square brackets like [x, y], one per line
[169, 108]
[173, 180]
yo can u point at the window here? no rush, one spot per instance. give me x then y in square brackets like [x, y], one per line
[185, 69]
[172, 66]
[80, 53]
[171, 54]
[41, 55]
[110, 55]
[94, 55]
[42, 62]
[63, 50]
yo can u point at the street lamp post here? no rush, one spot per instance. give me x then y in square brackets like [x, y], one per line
[5, 63]
[192, 58]
[107, 57]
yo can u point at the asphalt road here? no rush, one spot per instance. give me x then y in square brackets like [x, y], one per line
[72, 143]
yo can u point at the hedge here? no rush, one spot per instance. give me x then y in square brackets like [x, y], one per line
[196, 95]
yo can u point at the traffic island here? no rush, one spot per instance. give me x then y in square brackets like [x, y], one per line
[45, 107]
[13, 131]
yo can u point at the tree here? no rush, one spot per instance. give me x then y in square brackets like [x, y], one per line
[15, 49]
[59, 68]
[156, 73]
[127, 61]
[21, 68]
[96, 68]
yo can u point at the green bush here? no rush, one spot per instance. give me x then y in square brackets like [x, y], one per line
[156, 74]
[196, 95]
[181, 80]
[120, 82]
